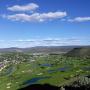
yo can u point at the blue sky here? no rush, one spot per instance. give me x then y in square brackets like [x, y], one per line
[27, 23]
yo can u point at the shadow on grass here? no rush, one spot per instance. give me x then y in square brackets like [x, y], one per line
[50, 87]
[40, 87]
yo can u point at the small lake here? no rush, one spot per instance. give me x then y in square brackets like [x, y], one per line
[62, 69]
[9, 71]
[46, 65]
[35, 80]
[86, 68]
[52, 71]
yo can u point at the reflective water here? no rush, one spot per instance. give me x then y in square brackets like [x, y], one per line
[86, 68]
[34, 80]
[47, 65]
[62, 69]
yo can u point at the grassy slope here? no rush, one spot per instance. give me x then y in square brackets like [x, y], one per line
[27, 70]
[79, 52]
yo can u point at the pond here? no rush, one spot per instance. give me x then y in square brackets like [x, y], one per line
[62, 69]
[35, 80]
[47, 65]
[86, 68]
[52, 71]
[9, 71]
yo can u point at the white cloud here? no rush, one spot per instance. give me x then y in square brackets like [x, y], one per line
[36, 17]
[79, 19]
[22, 43]
[47, 42]
[28, 7]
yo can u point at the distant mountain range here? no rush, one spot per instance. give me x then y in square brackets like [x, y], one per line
[42, 49]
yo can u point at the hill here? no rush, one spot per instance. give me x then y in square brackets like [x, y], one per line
[79, 52]
[39, 49]
[72, 50]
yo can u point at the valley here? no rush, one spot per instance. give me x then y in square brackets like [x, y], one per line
[19, 69]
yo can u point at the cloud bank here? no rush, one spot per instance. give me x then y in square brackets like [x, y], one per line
[79, 19]
[20, 14]
[40, 42]
[36, 17]
[28, 7]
